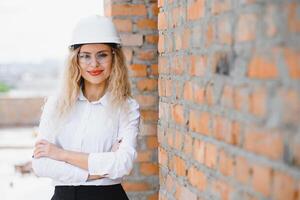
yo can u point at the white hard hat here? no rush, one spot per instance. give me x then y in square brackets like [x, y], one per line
[95, 29]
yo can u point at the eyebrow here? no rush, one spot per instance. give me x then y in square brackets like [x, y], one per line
[96, 52]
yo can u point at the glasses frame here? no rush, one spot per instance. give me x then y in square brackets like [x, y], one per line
[100, 60]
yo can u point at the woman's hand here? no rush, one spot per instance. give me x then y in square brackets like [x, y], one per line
[43, 148]
[116, 145]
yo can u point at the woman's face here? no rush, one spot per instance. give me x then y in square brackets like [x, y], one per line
[95, 61]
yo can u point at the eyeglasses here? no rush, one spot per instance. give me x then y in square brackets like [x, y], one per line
[101, 57]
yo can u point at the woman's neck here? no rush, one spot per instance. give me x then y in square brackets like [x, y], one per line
[93, 92]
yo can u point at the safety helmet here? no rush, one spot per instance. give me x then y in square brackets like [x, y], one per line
[94, 29]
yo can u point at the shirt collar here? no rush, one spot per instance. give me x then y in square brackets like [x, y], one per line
[103, 100]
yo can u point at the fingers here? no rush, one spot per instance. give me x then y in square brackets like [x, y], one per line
[41, 142]
[41, 149]
[116, 145]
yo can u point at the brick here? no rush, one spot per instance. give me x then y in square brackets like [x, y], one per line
[178, 89]
[262, 68]
[178, 141]
[170, 44]
[284, 186]
[162, 65]
[246, 27]
[226, 163]
[161, 87]
[162, 157]
[197, 178]
[138, 70]
[188, 91]
[170, 138]
[235, 133]
[147, 24]
[219, 6]
[199, 94]
[210, 155]
[153, 196]
[148, 129]
[179, 166]
[227, 96]
[146, 54]
[128, 10]
[162, 108]
[169, 88]
[186, 38]
[135, 186]
[127, 54]
[221, 128]
[241, 99]
[290, 100]
[146, 100]
[187, 146]
[271, 29]
[178, 40]
[222, 188]
[178, 67]
[296, 151]
[200, 122]
[198, 150]
[178, 114]
[292, 61]
[196, 10]
[144, 156]
[161, 136]
[151, 142]
[224, 33]
[162, 21]
[210, 94]
[258, 102]
[293, 17]
[257, 140]
[242, 169]
[123, 25]
[131, 39]
[148, 169]
[175, 16]
[209, 34]
[154, 70]
[261, 180]
[170, 183]
[198, 65]
[154, 9]
[147, 85]
[161, 43]
[183, 193]
[149, 115]
[152, 39]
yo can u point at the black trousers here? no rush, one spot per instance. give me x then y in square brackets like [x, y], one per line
[103, 192]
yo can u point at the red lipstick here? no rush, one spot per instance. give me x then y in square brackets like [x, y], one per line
[95, 72]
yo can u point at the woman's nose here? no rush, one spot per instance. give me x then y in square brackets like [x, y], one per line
[94, 62]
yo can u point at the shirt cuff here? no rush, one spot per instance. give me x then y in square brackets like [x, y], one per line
[100, 163]
[81, 175]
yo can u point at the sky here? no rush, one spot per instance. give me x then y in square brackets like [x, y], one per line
[37, 30]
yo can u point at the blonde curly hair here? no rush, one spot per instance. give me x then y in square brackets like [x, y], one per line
[117, 84]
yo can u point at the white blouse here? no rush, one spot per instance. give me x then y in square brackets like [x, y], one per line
[93, 128]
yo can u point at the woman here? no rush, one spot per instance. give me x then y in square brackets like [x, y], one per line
[87, 133]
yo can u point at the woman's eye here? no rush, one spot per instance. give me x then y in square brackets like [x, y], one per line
[102, 55]
[84, 56]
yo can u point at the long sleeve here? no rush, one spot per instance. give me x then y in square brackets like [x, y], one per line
[119, 163]
[46, 167]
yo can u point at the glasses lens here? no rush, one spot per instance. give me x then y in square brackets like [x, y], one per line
[101, 57]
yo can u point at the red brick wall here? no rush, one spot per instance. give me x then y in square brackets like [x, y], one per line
[229, 106]
[16, 111]
[137, 24]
